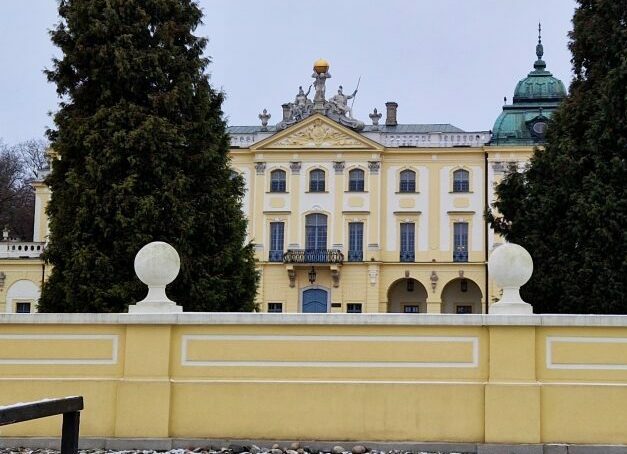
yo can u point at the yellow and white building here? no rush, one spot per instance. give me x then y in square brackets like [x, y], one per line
[347, 217]
[380, 218]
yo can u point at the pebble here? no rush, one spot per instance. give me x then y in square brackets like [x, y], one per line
[359, 449]
[337, 450]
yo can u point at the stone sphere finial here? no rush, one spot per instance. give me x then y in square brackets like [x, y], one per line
[511, 266]
[156, 265]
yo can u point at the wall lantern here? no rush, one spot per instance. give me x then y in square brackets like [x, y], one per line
[312, 275]
[464, 285]
[410, 285]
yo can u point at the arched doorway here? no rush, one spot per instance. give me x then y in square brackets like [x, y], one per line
[407, 296]
[461, 296]
[315, 300]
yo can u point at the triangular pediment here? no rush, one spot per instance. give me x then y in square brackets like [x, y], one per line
[317, 132]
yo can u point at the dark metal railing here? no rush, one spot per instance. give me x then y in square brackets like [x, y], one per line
[355, 256]
[460, 254]
[408, 256]
[313, 256]
[69, 407]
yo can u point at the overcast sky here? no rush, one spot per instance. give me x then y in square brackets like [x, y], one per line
[443, 61]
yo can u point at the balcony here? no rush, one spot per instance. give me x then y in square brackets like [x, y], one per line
[460, 254]
[20, 249]
[275, 256]
[313, 256]
[408, 256]
[355, 256]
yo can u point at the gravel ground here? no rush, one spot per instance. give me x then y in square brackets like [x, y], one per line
[295, 448]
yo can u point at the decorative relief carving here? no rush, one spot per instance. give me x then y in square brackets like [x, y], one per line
[498, 167]
[434, 280]
[372, 275]
[291, 274]
[295, 167]
[335, 276]
[318, 135]
[260, 167]
[374, 167]
[339, 167]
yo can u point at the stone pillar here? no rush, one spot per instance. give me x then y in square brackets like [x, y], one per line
[512, 395]
[143, 393]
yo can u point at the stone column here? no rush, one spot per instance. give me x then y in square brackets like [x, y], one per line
[512, 392]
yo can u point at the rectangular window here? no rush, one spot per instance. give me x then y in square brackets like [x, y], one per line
[353, 308]
[276, 241]
[407, 242]
[460, 242]
[463, 309]
[356, 180]
[277, 181]
[275, 307]
[316, 181]
[355, 241]
[410, 309]
[22, 308]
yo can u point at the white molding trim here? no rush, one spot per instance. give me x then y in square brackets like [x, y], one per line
[286, 318]
[114, 338]
[474, 341]
[550, 340]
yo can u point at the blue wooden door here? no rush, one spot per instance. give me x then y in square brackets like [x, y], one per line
[314, 300]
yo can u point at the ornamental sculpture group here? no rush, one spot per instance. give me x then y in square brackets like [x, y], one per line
[336, 108]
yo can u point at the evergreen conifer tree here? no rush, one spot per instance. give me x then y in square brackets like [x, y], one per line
[142, 156]
[569, 208]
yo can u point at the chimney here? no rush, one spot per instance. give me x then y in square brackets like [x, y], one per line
[390, 118]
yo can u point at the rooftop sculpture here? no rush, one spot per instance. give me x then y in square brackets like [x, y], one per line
[335, 108]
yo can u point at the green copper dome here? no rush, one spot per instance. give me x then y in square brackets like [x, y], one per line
[535, 99]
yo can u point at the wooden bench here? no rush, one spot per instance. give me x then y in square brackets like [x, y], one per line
[69, 407]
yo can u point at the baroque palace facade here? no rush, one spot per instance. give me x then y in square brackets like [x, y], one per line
[348, 217]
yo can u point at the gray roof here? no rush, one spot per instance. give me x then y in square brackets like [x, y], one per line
[248, 129]
[398, 129]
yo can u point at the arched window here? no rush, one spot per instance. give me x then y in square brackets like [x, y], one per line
[356, 180]
[316, 180]
[408, 181]
[315, 232]
[277, 181]
[461, 181]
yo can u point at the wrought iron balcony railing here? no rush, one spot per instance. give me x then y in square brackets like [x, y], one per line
[313, 256]
[460, 254]
[408, 256]
[275, 256]
[355, 256]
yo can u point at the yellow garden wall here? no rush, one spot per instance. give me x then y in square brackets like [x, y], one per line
[387, 377]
